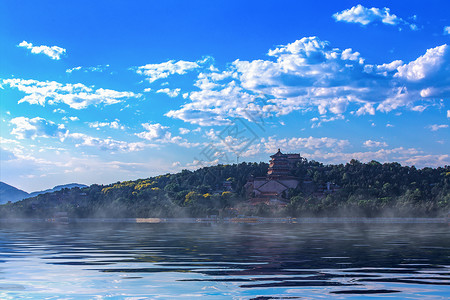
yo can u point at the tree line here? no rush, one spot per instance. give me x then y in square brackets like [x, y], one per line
[364, 189]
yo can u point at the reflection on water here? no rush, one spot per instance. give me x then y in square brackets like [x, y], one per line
[241, 261]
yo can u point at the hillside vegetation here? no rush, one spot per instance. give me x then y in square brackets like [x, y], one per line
[366, 189]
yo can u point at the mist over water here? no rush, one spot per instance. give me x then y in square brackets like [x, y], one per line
[223, 261]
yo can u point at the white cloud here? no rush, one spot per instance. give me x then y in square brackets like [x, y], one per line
[49, 167]
[59, 110]
[164, 70]
[107, 144]
[271, 144]
[70, 118]
[303, 74]
[364, 16]
[171, 93]
[310, 73]
[447, 30]
[214, 107]
[160, 134]
[154, 132]
[318, 122]
[366, 109]
[419, 108]
[436, 127]
[183, 130]
[448, 113]
[304, 143]
[4, 141]
[425, 65]
[26, 128]
[197, 164]
[113, 125]
[325, 149]
[405, 156]
[73, 69]
[54, 52]
[373, 144]
[77, 96]
[98, 68]
[430, 160]
[385, 69]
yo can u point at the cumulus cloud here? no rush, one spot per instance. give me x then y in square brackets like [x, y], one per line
[154, 131]
[171, 93]
[424, 66]
[448, 113]
[154, 72]
[160, 134]
[429, 160]
[436, 127]
[54, 52]
[272, 143]
[310, 143]
[26, 128]
[183, 130]
[317, 122]
[70, 118]
[364, 16]
[113, 125]
[98, 68]
[77, 96]
[59, 110]
[366, 109]
[107, 144]
[215, 107]
[73, 69]
[333, 151]
[447, 30]
[405, 156]
[310, 73]
[374, 144]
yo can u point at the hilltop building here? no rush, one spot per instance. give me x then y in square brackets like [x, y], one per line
[273, 188]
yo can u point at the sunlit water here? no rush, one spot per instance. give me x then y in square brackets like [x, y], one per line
[224, 261]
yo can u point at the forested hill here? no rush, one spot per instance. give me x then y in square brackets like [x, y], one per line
[366, 189]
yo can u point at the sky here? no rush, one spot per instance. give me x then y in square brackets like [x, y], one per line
[107, 91]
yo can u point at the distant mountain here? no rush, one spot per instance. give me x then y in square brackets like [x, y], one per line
[10, 193]
[57, 188]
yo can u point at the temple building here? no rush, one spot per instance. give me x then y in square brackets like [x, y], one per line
[273, 188]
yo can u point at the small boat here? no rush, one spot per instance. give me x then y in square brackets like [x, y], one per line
[59, 218]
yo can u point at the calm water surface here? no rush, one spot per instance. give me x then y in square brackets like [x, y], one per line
[224, 261]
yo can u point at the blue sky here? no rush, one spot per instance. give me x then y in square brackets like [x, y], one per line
[105, 91]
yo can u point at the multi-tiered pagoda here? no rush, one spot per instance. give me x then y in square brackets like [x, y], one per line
[278, 166]
[272, 189]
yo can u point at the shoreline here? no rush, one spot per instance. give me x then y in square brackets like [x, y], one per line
[235, 220]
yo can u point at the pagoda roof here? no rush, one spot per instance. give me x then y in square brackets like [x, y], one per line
[278, 153]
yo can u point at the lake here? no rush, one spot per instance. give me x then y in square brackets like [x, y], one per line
[183, 260]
